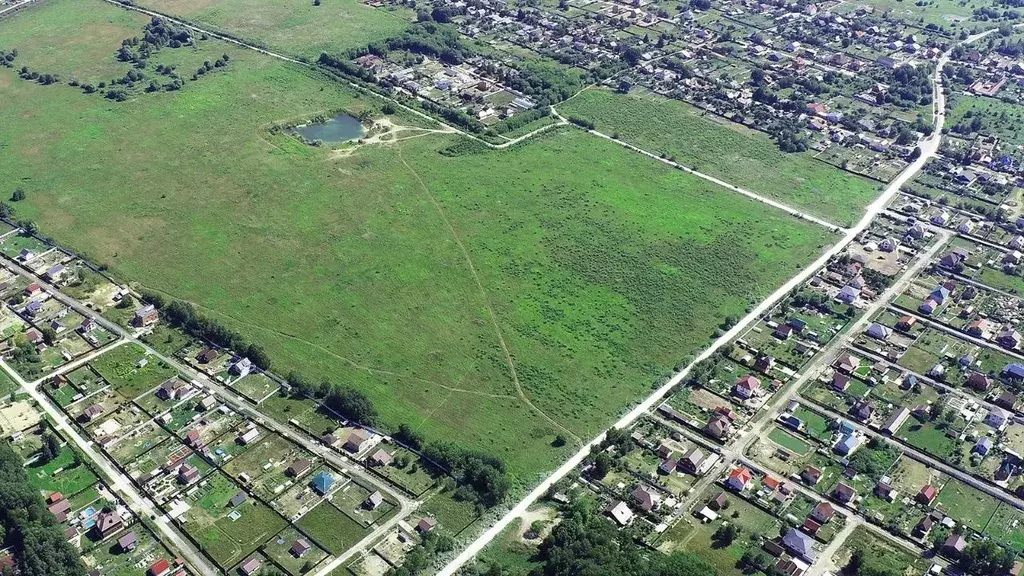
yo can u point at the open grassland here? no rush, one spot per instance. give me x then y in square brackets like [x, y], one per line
[399, 270]
[88, 38]
[295, 27]
[735, 154]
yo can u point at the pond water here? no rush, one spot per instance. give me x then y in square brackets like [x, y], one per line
[341, 128]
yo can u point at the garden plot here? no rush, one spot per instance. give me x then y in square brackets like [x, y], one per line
[136, 442]
[231, 444]
[306, 414]
[96, 407]
[109, 560]
[167, 395]
[184, 414]
[130, 371]
[968, 506]
[282, 550]
[255, 386]
[301, 497]
[227, 532]
[693, 536]
[406, 470]
[213, 425]
[1007, 527]
[354, 499]
[66, 474]
[262, 468]
[154, 460]
[331, 528]
[122, 421]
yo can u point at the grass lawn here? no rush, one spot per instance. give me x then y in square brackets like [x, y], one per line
[730, 152]
[331, 528]
[119, 367]
[881, 554]
[296, 27]
[453, 515]
[967, 505]
[70, 479]
[788, 441]
[597, 268]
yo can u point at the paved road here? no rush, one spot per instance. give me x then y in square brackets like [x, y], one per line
[929, 147]
[991, 490]
[231, 398]
[138, 503]
[15, 6]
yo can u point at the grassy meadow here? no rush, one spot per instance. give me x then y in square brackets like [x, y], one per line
[400, 270]
[733, 153]
[295, 27]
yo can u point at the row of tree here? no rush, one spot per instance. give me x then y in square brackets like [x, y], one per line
[183, 315]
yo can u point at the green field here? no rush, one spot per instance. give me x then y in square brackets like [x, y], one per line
[789, 441]
[119, 367]
[296, 27]
[87, 34]
[400, 270]
[331, 528]
[735, 154]
[71, 479]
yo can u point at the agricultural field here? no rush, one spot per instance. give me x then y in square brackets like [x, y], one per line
[295, 27]
[427, 268]
[727, 151]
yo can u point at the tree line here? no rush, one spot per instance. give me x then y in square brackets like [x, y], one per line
[184, 316]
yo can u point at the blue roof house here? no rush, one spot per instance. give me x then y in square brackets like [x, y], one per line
[1014, 370]
[322, 483]
[799, 544]
[983, 446]
[847, 444]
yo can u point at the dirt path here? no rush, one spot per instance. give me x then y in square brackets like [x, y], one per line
[487, 301]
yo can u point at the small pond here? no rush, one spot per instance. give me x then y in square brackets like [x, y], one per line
[341, 128]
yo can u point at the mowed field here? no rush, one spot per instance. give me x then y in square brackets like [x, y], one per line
[400, 270]
[295, 27]
[732, 153]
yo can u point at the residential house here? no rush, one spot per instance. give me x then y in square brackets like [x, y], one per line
[739, 478]
[811, 475]
[646, 498]
[844, 493]
[691, 461]
[300, 548]
[322, 483]
[298, 468]
[927, 495]
[878, 331]
[746, 386]
[108, 523]
[128, 542]
[356, 440]
[620, 512]
[799, 544]
[250, 566]
[145, 316]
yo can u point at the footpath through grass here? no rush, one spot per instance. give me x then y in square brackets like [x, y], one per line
[732, 153]
[601, 268]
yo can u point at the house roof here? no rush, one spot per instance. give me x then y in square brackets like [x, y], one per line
[323, 481]
[799, 543]
[742, 475]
